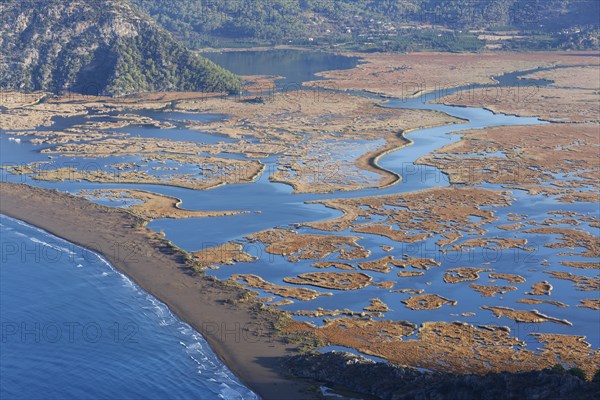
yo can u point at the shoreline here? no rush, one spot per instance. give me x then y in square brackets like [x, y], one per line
[243, 337]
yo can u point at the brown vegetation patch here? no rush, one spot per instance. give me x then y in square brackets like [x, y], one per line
[216, 172]
[571, 238]
[449, 238]
[328, 124]
[594, 304]
[298, 246]
[593, 221]
[310, 132]
[332, 280]
[410, 274]
[377, 306]
[562, 221]
[570, 350]
[418, 263]
[333, 264]
[416, 216]
[581, 264]
[411, 291]
[566, 195]
[407, 75]
[380, 265]
[463, 274]
[543, 288]
[574, 77]
[352, 332]
[257, 282]
[25, 111]
[427, 302]
[512, 278]
[225, 254]
[282, 303]
[551, 104]
[68, 135]
[321, 312]
[492, 244]
[385, 284]
[539, 301]
[159, 149]
[512, 227]
[527, 316]
[516, 217]
[261, 83]
[389, 232]
[570, 97]
[581, 282]
[533, 155]
[452, 347]
[490, 290]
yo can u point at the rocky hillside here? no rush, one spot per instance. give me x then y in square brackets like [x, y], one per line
[399, 25]
[97, 47]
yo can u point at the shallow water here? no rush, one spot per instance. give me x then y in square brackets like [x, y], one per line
[295, 67]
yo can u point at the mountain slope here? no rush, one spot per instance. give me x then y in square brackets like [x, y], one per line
[97, 47]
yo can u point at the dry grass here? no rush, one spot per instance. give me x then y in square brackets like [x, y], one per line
[153, 205]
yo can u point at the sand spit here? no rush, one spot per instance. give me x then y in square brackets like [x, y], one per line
[153, 205]
[165, 271]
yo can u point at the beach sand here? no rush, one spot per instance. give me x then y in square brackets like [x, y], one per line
[238, 332]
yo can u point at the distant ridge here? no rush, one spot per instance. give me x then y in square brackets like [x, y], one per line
[380, 25]
[97, 47]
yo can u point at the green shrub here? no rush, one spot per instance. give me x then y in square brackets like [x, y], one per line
[578, 372]
[556, 369]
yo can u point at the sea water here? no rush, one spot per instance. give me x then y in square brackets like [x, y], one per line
[74, 327]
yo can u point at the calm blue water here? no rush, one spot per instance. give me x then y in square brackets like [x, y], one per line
[295, 67]
[73, 327]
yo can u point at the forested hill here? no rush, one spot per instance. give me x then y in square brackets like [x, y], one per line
[97, 47]
[551, 23]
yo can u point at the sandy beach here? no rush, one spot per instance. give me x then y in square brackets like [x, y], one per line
[238, 333]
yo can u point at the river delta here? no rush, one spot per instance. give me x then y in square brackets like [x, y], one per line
[435, 210]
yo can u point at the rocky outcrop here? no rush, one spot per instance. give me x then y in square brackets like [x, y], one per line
[97, 47]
